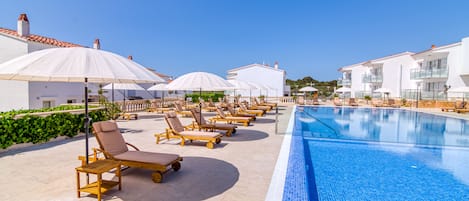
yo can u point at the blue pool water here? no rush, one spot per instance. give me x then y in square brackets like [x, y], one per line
[377, 154]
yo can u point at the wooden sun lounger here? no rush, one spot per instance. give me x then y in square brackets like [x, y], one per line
[243, 109]
[222, 117]
[233, 113]
[268, 107]
[200, 124]
[457, 106]
[114, 147]
[159, 109]
[177, 129]
[181, 111]
[464, 110]
[351, 102]
[128, 116]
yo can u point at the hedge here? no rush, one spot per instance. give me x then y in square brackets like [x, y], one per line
[206, 95]
[37, 129]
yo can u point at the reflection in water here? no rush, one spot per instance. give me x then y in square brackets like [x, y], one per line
[396, 126]
[383, 125]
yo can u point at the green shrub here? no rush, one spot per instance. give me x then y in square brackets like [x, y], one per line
[36, 129]
[206, 96]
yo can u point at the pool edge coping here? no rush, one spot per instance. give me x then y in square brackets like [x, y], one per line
[277, 182]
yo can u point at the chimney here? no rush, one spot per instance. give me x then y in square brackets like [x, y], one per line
[130, 57]
[276, 65]
[433, 47]
[23, 25]
[96, 44]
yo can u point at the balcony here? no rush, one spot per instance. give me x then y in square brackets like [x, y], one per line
[418, 74]
[344, 82]
[370, 78]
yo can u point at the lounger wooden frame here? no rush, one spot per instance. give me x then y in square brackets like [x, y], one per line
[243, 109]
[233, 113]
[223, 118]
[177, 129]
[200, 123]
[159, 169]
[181, 111]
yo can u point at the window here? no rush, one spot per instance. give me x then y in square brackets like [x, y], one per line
[47, 104]
[71, 101]
[434, 86]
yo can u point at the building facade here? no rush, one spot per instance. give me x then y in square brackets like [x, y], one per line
[425, 75]
[25, 95]
[272, 78]
[32, 95]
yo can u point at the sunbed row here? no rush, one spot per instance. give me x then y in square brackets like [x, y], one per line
[113, 146]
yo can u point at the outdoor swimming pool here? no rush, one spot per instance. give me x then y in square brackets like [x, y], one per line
[341, 153]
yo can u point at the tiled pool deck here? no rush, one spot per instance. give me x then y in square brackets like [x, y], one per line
[240, 168]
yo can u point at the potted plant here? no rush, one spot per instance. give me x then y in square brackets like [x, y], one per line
[367, 98]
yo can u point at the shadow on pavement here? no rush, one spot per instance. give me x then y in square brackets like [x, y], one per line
[200, 178]
[246, 135]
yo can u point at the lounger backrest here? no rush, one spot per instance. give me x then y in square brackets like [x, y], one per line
[173, 121]
[178, 106]
[255, 101]
[109, 137]
[243, 107]
[220, 112]
[199, 119]
[231, 110]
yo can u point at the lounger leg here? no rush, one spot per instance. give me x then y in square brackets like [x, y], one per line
[183, 141]
[157, 177]
[210, 145]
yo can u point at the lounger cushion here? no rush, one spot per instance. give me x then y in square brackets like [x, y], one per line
[111, 140]
[225, 126]
[238, 118]
[107, 126]
[174, 122]
[199, 134]
[148, 157]
[171, 114]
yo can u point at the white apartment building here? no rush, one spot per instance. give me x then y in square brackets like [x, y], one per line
[31, 95]
[271, 77]
[429, 73]
[25, 95]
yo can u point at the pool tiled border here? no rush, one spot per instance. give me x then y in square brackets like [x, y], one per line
[277, 183]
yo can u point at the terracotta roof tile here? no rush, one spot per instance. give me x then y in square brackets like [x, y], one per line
[39, 39]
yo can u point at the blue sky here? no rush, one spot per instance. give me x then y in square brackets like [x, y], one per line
[307, 38]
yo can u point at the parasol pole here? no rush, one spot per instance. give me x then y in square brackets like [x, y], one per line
[200, 102]
[87, 120]
[112, 85]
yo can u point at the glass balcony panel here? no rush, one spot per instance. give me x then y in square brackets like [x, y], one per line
[417, 74]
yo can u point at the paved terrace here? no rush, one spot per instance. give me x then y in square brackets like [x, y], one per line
[240, 168]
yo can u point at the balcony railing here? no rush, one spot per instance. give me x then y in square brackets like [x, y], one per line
[417, 74]
[372, 78]
[344, 82]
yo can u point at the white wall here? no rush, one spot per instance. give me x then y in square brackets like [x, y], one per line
[357, 81]
[455, 59]
[465, 57]
[35, 46]
[59, 92]
[11, 48]
[13, 94]
[257, 74]
[392, 74]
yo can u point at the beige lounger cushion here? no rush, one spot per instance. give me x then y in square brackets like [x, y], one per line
[111, 139]
[148, 157]
[224, 126]
[199, 134]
